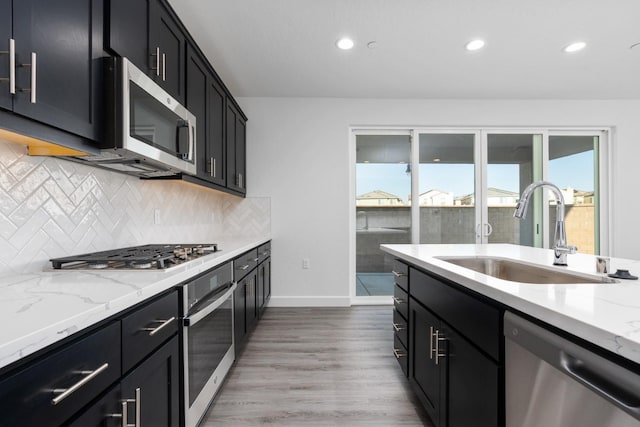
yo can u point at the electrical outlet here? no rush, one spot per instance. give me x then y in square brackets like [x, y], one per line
[306, 264]
[156, 216]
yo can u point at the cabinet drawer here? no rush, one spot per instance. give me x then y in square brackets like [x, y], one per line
[401, 274]
[264, 251]
[34, 396]
[147, 328]
[401, 301]
[244, 264]
[400, 327]
[401, 354]
[477, 320]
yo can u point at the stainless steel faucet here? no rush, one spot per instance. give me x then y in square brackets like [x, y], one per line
[366, 219]
[560, 247]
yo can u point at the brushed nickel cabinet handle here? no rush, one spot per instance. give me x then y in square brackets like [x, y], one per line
[437, 353]
[398, 300]
[399, 353]
[431, 342]
[66, 392]
[157, 67]
[34, 74]
[395, 273]
[12, 66]
[164, 67]
[154, 331]
[125, 410]
[244, 267]
[397, 327]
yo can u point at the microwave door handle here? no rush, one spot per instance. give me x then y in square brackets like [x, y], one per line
[181, 149]
[192, 139]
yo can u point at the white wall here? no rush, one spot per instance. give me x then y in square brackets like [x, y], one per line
[298, 154]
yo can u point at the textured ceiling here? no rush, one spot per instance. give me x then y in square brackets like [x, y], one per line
[285, 48]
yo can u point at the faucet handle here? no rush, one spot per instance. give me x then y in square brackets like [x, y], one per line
[567, 249]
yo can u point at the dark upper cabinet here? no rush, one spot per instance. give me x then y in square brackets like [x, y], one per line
[6, 100]
[58, 74]
[146, 32]
[167, 47]
[236, 149]
[127, 32]
[206, 100]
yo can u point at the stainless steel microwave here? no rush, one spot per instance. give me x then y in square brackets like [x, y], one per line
[147, 132]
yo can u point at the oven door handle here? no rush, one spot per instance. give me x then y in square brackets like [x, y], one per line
[196, 317]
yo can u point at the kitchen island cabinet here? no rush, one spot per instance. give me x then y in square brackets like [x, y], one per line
[458, 312]
[451, 334]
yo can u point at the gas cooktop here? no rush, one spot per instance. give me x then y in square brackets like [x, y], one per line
[145, 257]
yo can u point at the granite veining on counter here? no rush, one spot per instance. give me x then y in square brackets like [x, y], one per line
[606, 314]
[39, 309]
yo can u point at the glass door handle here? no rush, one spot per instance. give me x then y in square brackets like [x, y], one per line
[489, 230]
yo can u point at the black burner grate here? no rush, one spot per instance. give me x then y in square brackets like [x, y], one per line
[140, 257]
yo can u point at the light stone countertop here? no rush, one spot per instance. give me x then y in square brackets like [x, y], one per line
[39, 309]
[606, 314]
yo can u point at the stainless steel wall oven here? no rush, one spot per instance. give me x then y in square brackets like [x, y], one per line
[207, 335]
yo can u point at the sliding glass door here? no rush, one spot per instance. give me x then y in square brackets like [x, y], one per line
[383, 209]
[461, 186]
[447, 187]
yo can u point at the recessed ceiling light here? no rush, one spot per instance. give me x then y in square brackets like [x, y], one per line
[344, 43]
[635, 46]
[372, 44]
[574, 47]
[474, 44]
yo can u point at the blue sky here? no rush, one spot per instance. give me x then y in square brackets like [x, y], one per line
[572, 171]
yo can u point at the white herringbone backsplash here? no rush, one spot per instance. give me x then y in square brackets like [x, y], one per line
[52, 208]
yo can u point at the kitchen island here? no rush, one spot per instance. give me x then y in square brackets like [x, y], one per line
[456, 311]
[605, 314]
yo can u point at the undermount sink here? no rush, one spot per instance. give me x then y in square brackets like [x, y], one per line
[515, 271]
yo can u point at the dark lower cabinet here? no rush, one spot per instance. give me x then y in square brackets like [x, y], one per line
[153, 387]
[246, 310]
[455, 351]
[106, 412]
[264, 285]
[427, 377]
[251, 308]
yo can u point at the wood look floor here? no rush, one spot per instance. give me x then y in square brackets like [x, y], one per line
[318, 367]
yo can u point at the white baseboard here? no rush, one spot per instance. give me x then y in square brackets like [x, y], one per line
[376, 300]
[311, 301]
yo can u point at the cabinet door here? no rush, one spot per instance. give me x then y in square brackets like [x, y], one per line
[62, 43]
[239, 323]
[167, 45]
[236, 148]
[106, 412]
[154, 386]
[267, 280]
[6, 100]
[424, 374]
[127, 32]
[260, 288]
[251, 306]
[216, 132]
[196, 102]
[473, 385]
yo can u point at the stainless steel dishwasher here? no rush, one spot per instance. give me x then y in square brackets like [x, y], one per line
[553, 382]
